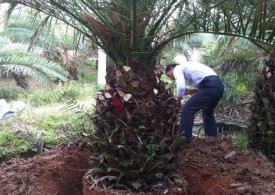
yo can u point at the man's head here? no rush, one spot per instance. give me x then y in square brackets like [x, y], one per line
[169, 70]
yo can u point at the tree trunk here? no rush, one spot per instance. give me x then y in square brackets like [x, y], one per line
[262, 129]
[21, 81]
[135, 122]
[73, 73]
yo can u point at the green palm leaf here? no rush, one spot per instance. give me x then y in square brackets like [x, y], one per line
[111, 24]
[32, 65]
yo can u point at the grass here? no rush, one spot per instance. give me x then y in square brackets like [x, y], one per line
[47, 123]
[241, 140]
[59, 94]
[12, 144]
[9, 91]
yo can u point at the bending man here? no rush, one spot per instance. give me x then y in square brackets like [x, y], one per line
[209, 90]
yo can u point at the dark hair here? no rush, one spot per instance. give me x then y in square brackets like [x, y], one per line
[169, 66]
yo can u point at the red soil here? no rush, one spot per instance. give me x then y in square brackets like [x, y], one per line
[210, 167]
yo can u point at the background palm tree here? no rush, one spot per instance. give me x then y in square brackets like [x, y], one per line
[229, 56]
[16, 57]
[22, 63]
[133, 134]
[47, 36]
[262, 128]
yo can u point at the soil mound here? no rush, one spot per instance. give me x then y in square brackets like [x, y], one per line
[209, 167]
[215, 166]
[58, 171]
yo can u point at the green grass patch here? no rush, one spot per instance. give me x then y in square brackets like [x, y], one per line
[48, 120]
[20, 136]
[59, 94]
[88, 72]
[52, 128]
[61, 128]
[241, 140]
[10, 92]
[12, 144]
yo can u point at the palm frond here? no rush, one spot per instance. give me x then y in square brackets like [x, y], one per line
[38, 32]
[31, 65]
[9, 13]
[17, 34]
[111, 24]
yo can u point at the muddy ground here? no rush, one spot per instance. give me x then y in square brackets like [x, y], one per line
[210, 167]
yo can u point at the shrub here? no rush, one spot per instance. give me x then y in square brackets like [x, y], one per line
[10, 92]
[60, 94]
[12, 145]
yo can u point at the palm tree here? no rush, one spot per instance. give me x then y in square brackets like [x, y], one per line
[133, 143]
[262, 128]
[250, 61]
[16, 58]
[229, 56]
[40, 36]
[21, 64]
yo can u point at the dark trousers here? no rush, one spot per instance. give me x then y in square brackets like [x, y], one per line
[210, 91]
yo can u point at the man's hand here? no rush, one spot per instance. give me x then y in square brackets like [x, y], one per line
[190, 91]
[179, 100]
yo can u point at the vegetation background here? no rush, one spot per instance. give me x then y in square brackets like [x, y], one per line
[62, 58]
[48, 104]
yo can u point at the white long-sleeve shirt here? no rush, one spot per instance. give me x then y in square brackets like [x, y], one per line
[191, 73]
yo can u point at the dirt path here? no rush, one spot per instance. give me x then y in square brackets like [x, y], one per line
[210, 167]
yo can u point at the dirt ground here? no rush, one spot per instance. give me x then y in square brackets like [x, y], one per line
[210, 167]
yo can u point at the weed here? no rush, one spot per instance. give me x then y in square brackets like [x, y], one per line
[81, 128]
[10, 92]
[241, 140]
[12, 145]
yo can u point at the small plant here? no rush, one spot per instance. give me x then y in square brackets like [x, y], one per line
[241, 140]
[10, 92]
[81, 127]
[59, 93]
[88, 72]
[152, 151]
[13, 145]
[87, 77]
[54, 128]
[90, 63]
[67, 91]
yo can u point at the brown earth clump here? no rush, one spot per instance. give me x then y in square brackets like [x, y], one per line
[209, 167]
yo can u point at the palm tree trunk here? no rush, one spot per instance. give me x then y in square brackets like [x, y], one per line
[73, 73]
[21, 80]
[135, 120]
[262, 129]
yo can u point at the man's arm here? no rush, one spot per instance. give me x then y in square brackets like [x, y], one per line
[180, 82]
[187, 92]
[190, 91]
[179, 100]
